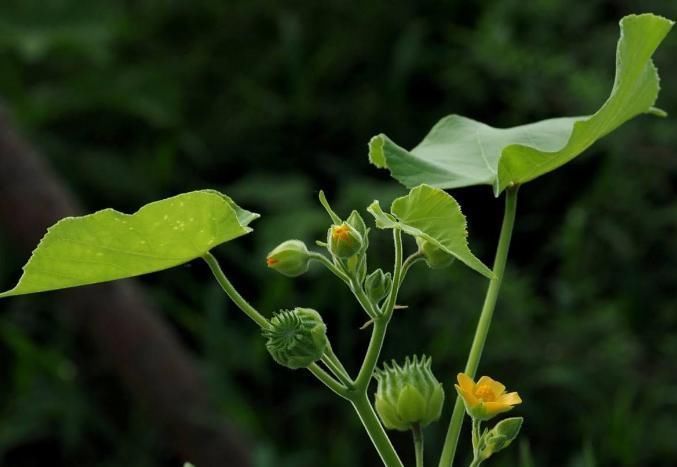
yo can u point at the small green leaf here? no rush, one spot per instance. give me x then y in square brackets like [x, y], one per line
[434, 215]
[462, 152]
[109, 245]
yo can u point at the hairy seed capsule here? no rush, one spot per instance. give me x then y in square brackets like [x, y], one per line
[408, 395]
[296, 338]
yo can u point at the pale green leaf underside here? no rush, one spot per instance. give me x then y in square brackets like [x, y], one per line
[461, 152]
[434, 215]
[110, 245]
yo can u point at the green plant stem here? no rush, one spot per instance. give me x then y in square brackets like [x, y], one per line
[381, 321]
[451, 441]
[329, 265]
[417, 431]
[343, 378]
[397, 275]
[375, 431]
[476, 441]
[355, 288]
[358, 399]
[234, 295]
[361, 296]
[409, 262]
[328, 381]
[331, 356]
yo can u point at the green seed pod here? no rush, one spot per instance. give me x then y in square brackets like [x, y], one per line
[344, 240]
[408, 395]
[435, 257]
[296, 338]
[289, 258]
[377, 285]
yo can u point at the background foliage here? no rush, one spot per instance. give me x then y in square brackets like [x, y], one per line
[269, 102]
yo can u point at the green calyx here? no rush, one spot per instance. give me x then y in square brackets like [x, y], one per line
[290, 258]
[408, 395]
[434, 256]
[344, 241]
[296, 338]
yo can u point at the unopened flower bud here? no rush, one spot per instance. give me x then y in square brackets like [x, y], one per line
[377, 285]
[408, 395]
[296, 338]
[435, 257]
[344, 240]
[289, 258]
[500, 436]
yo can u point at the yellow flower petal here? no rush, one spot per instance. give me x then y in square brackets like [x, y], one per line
[511, 398]
[466, 382]
[467, 396]
[495, 386]
[494, 408]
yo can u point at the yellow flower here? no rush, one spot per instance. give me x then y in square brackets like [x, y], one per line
[486, 398]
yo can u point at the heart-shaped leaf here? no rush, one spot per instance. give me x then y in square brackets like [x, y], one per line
[434, 215]
[462, 152]
[109, 245]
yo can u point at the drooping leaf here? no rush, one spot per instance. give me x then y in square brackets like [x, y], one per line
[434, 215]
[109, 245]
[462, 152]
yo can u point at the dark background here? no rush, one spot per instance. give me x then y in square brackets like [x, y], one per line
[132, 101]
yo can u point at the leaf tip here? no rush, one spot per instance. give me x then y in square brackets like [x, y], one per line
[376, 153]
[656, 112]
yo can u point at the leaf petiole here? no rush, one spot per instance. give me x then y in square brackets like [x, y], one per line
[451, 441]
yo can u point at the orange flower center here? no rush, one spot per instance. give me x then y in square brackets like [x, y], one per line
[341, 232]
[485, 393]
[272, 262]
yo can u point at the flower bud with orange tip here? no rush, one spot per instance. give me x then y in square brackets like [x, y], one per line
[289, 258]
[486, 398]
[344, 240]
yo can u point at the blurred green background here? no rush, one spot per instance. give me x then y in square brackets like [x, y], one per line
[267, 101]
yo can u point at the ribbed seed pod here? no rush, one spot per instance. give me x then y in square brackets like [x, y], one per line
[296, 338]
[408, 395]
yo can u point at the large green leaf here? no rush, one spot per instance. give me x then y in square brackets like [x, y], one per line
[109, 245]
[434, 215]
[461, 152]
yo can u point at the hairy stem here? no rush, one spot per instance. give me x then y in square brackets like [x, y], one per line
[234, 295]
[451, 441]
[417, 432]
[335, 361]
[409, 262]
[328, 380]
[329, 265]
[378, 331]
[375, 431]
